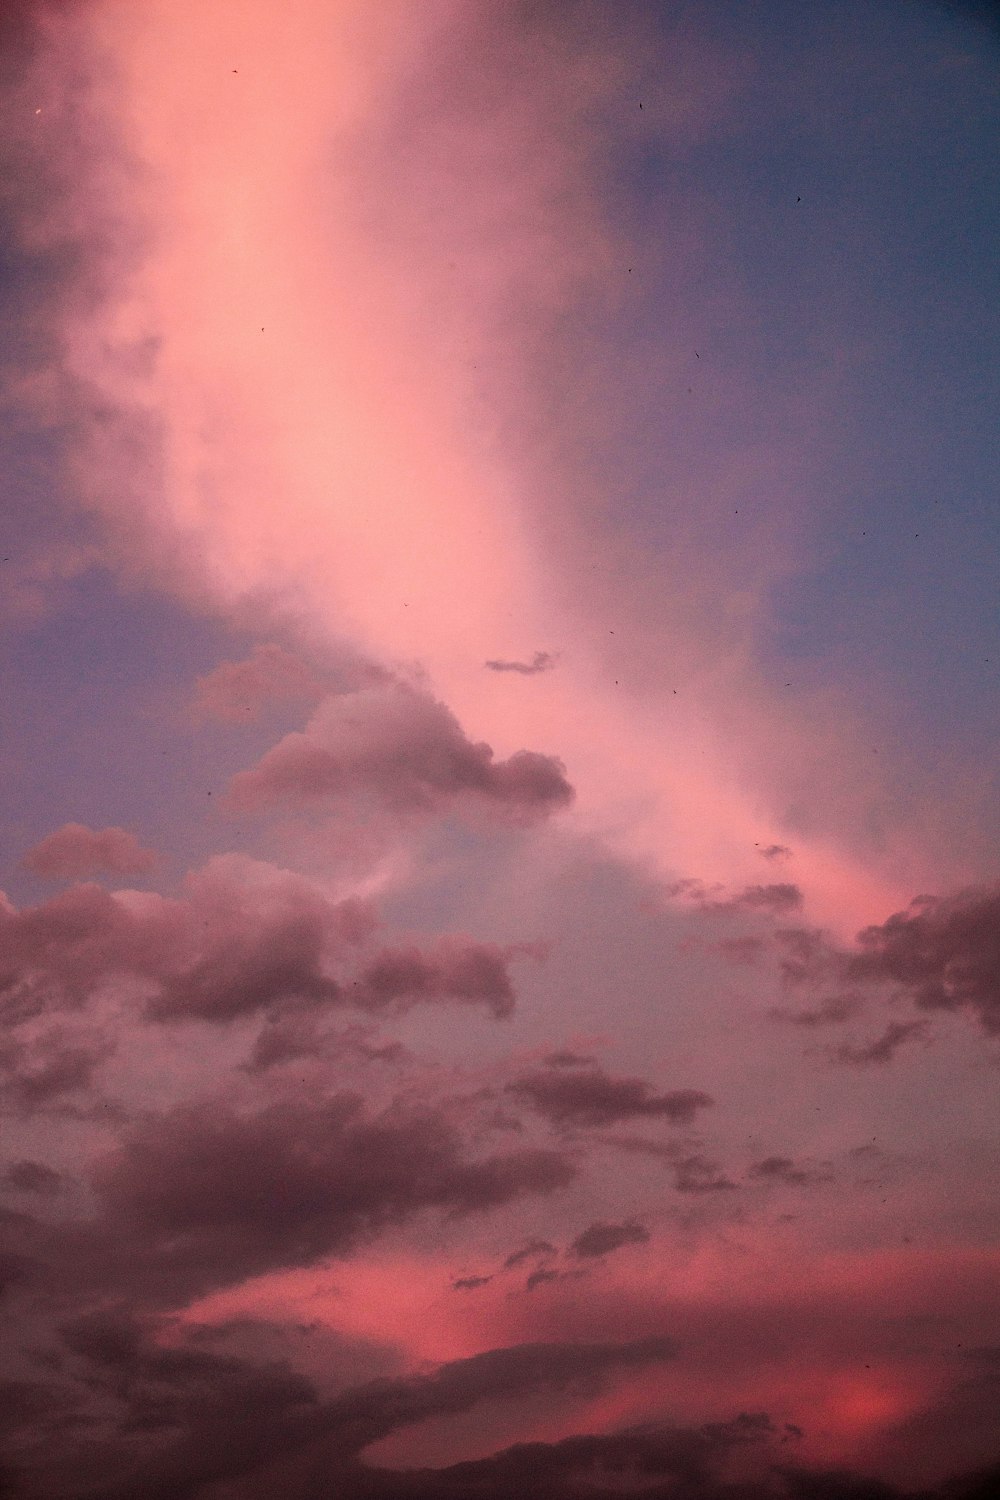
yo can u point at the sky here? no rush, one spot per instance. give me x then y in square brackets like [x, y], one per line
[500, 917]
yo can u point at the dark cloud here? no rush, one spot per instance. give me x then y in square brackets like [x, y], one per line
[205, 1196]
[830, 1012]
[373, 1411]
[884, 1048]
[49, 1069]
[742, 950]
[695, 1174]
[776, 899]
[591, 1097]
[33, 1177]
[944, 952]
[405, 749]
[542, 661]
[783, 1170]
[179, 1420]
[540, 1277]
[528, 1252]
[805, 956]
[455, 969]
[75, 852]
[601, 1239]
[127, 1412]
[471, 1283]
[656, 1461]
[692, 1172]
[775, 852]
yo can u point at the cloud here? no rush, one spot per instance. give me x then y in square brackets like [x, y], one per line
[591, 1097]
[694, 1174]
[528, 1252]
[179, 1420]
[204, 1196]
[456, 969]
[658, 1460]
[782, 1169]
[243, 938]
[884, 1048]
[830, 1012]
[33, 1177]
[601, 1239]
[373, 1411]
[406, 750]
[75, 852]
[236, 692]
[776, 899]
[944, 952]
[471, 1283]
[542, 661]
[775, 852]
[52, 1067]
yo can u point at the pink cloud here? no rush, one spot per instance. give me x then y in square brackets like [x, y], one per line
[75, 852]
[237, 691]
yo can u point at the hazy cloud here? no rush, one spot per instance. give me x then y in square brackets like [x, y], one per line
[236, 692]
[884, 1048]
[542, 661]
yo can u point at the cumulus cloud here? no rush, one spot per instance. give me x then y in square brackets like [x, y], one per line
[592, 1097]
[601, 1239]
[235, 692]
[451, 968]
[944, 952]
[406, 750]
[75, 852]
[242, 938]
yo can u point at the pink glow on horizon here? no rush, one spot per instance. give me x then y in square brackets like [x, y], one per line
[848, 1391]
